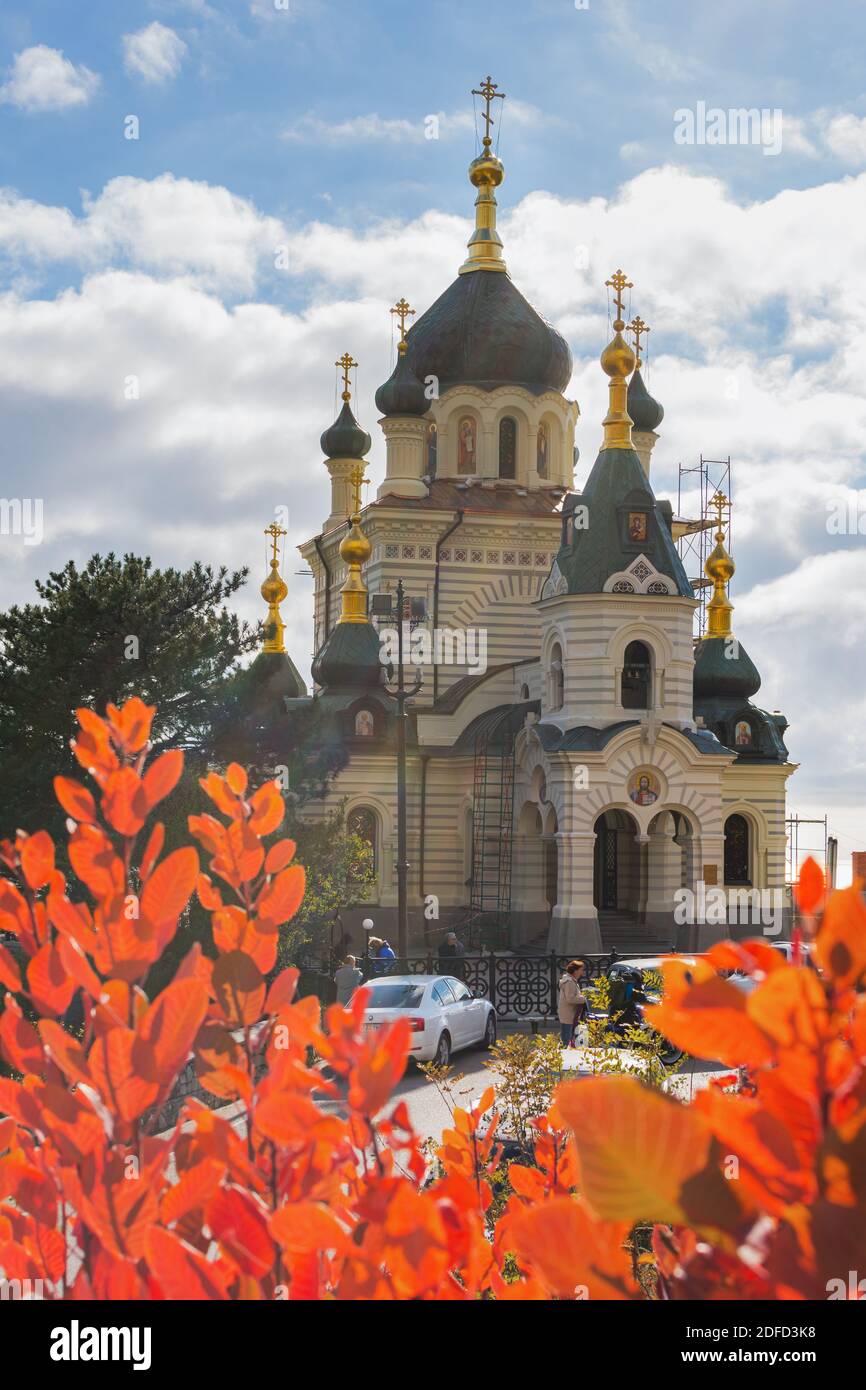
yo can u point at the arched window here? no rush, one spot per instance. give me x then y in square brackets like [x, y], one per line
[364, 823]
[636, 674]
[557, 678]
[524, 692]
[507, 447]
[737, 850]
[432, 445]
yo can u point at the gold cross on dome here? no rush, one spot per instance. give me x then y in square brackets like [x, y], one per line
[618, 282]
[347, 362]
[275, 531]
[402, 311]
[488, 90]
[720, 502]
[640, 330]
[357, 478]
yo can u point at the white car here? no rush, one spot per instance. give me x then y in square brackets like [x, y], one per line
[443, 1014]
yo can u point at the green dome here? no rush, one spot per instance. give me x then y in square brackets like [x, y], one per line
[349, 658]
[645, 411]
[724, 670]
[402, 393]
[273, 676]
[345, 439]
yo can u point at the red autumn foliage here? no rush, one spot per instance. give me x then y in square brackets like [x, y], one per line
[751, 1194]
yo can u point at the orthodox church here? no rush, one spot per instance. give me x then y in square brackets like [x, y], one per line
[575, 759]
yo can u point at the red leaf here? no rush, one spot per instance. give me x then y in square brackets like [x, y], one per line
[181, 1271]
[268, 809]
[50, 986]
[279, 855]
[236, 778]
[172, 1021]
[162, 777]
[281, 898]
[809, 892]
[76, 800]
[306, 1226]
[10, 975]
[237, 1221]
[170, 886]
[37, 859]
[20, 1041]
[130, 725]
[152, 852]
[239, 987]
[124, 803]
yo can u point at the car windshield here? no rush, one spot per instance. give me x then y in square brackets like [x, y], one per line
[395, 995]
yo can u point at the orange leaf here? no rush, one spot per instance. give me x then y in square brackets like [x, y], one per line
[238, 1223]
[37, 859]
[124, 804]
[236, 778]
[268, 809]
[130, 725]
[306, 1226]
[707, 1016]
[280, 899]
[279, 855]
[180, 1271]
[10, 975]
[50, 986]
[239, 987]
[172, 1021]
[841, 942]
[76, 800]
[809, 891]
[20, 1042]
[574, 1255]
[637, 1148]
[152, 852]
[162, 777]
[169, 888]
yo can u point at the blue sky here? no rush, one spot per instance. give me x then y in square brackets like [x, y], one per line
[262, 129]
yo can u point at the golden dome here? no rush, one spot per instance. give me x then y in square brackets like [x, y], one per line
[486, 169]
[719, 565]
[618, 358]
[274, 589]
[354, 547]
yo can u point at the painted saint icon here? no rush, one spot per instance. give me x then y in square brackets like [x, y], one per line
[542, 450]
[637, 522]
[364, 724]
[466, 445]
[743, 734]
[643, 788]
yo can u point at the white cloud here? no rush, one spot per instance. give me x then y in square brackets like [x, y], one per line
[434, 125]
[41, 79]
[846, 137]
[154, 53]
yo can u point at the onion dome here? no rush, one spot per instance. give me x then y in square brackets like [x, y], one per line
[402, 393]
[723, 668]
[618, 362]
[345, 439]
[350, 656]
[645, 411]
[274, 677]
[482, 332]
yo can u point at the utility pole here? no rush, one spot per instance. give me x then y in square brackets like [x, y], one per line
[401, 694]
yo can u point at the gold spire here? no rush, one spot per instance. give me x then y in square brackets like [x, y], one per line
[719, 568]
[618, 361]
[273, 592]
[346, 362]
[402, 311]
[640, 330]
[485, 173]
[356, 551]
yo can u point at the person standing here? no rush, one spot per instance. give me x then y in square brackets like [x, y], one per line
[382, 955]
[571, 1002]
[450, 955]
[347, 979]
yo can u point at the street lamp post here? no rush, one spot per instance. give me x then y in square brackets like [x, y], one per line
[401, 694]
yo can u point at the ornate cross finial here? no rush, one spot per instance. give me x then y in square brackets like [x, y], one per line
[488, 91]
[640, 330]
[347, 362]
[357, 478]
[720, 502]
[275, 531]
[402, 311]
[618, 283]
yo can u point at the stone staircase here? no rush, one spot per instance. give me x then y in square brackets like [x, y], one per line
[623, 932]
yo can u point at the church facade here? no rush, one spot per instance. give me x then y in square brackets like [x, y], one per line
[581, 771]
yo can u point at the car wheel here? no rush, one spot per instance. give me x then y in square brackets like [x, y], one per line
[669, 1054]
[443, 1051]
[489, 1032]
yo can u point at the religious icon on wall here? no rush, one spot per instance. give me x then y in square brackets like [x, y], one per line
[432, 442]
[743, 734]
[541, 451]
[643, 788]
[637, 526]
[466, 445]
[364, 724]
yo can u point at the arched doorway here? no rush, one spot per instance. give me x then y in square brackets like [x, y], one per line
[617, 863]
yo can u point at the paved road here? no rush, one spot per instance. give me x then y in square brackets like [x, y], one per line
[471, 1074]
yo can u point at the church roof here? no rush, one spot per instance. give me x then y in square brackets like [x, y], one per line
[724, 670]
[349, 659]
[482, 332]
[603, 545]
[448, 495]
[585, 738]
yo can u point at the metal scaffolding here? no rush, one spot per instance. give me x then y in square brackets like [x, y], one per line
[794, 850]
[694, 535]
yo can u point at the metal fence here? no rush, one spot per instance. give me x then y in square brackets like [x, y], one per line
[520, 987]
